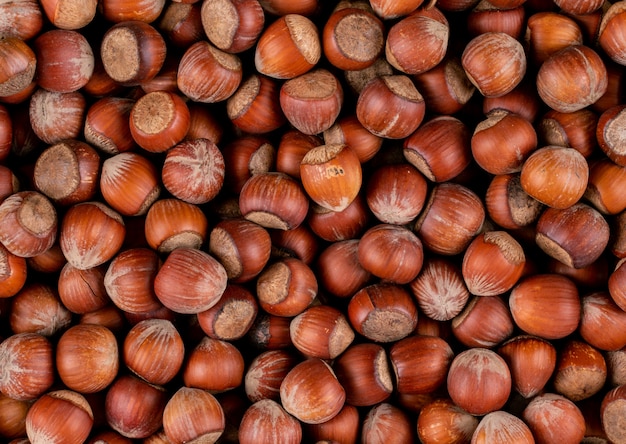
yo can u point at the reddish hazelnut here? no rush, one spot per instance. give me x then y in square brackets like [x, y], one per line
[501, 427]
[153, 349]
[213, 365]
[400, 264]
[386, 423]
[603, 322]
[181, 23]
[273, 200]
[446, 88]
[55, 116]
[396, 193]
[321, 331]
[286, 287]
[65, 60]
[572, 79]
[246, 156]
[389, 9]
[91, 234]
[383, 312]
[501, 143]
[243, 247]
[439, 289]
[548, 32]
[363, 370]
[292, 148]
[27, 366]
[531, 360]
[442, 421]
[565, 234]
[37, 308]
[311, 392]
[233, 315]
[610, 36]
[266, 372]
[418, 42]
[612, 413]
[159, 120]
[288, 47]
[312, 101]
[207, 416]
[336, 226]
[555, 176]
[255, 106]
[484, 322]
[267, 421]
[173, 223]
[486, 17]
[352, 38]
[479, 381]
[134, 408]
[82, 291]
[391, 106]
[349, 131]
[132, 51]
[207, 74]
[270, 332]
[494, 62]
[339, 270]
[439, 148]
[420, 364]
[447, 228]
[331, 175]
[553, 418]
[28, 223]
[508, 205]
[234, 25]
[580, 372]
[107, 125]
[20, 64]
[87, 358]
[120, 11]
[546, 305]
[201, 163]
[72, 423]
[80, 165]
[22, 19]
[190, 281]
[129, 280]
[129, 182]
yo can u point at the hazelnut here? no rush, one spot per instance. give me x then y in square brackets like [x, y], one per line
[383, 312]
[59, 416]
[331, 176]
[572, 79]
[494, 62]
[501, 427]
[553, 417]
[311, 392]
[207, 416]
[439, 289]
[532, 361]
[442, 420]
[479, 381]
[233, 25]
[363, 371]
[546, 305]
[580, 372]
[288, 47]
[190, 281]
[266, 421]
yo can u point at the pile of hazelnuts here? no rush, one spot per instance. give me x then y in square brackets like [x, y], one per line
[285, 221]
